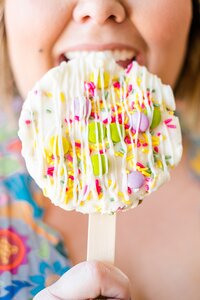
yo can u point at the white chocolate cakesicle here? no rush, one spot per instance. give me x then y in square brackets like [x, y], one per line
[98, 138]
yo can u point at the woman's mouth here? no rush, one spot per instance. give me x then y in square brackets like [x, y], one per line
[122, 57]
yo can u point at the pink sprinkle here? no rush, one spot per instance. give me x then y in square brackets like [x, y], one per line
[127, 140]
[78, 145]
[133, 131]
[116, 85]
[69, 157]
[50, 171]
[71, 177]
[105, 121]
[143, 106]
[147, 179]
[140, 165]
[133, 105]
[145, 145]
[77, 118]
[171, 126]
[159, 134]
[147, 188]
[156, 149]
[101, 151]
[94, 115]
[113, 119]
[168, 121]
[28, 122]
[138, 144]
[130, 88]
[98, 187]
[79, 171]
[68, 121]
[126, 126]
[129, 68]
[129, 190]
[85, 189]
[90, 86]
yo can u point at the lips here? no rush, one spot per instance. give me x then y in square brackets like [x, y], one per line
[122, 57]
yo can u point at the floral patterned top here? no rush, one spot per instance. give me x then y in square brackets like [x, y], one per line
[30, 251]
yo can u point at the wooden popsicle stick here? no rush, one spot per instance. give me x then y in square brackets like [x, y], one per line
[101, 238]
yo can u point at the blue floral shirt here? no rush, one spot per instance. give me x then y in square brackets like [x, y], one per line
[30, 251]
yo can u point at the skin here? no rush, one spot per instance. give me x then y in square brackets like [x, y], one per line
[158, 244]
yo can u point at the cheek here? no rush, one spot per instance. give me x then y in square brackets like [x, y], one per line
[165, 26]
[32, 30]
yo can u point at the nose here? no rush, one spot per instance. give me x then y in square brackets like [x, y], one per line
[99, 11]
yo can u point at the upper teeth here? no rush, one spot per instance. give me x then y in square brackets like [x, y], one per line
[116, 54]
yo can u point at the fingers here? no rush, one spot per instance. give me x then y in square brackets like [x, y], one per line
[89, 280]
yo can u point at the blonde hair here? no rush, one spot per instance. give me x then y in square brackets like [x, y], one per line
[187, 88]
[6, 83]
[188, 85]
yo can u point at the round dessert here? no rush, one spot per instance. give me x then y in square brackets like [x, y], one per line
[98, 138]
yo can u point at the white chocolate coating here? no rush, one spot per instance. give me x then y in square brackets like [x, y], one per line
[85, 166]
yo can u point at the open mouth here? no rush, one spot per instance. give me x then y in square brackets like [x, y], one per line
[122, 57]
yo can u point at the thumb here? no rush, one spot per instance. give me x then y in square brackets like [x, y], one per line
[89, 280]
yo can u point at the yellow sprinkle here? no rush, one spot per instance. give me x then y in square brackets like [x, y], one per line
[54, 144]
[155, 141]
[144, 150]
[131, 112]
[106, 79]
[128, 171]
[145, 136]
[109, 182]
[130, 148]
[71, 173]
[171, 112]
[98, 209]
[145, 174]
[51, 181]
[62, 97]
[120, 194]
[48, 94]
[138, 107]
[82, 203]
[70, 164]
[130, 157]
[128, 202]
[119, 154]
[126, 120]
[159, 164]
[67, 198]
[45, 192]
[62, 171]
[89, 197]
[36, 129]
[100, 196]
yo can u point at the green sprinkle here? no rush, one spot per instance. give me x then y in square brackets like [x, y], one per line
[168, 156]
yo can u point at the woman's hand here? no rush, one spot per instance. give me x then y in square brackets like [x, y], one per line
[88, 280]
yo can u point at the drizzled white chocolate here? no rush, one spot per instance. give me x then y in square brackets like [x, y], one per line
[97, 138]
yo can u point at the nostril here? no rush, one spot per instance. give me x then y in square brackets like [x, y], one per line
[99, 11]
